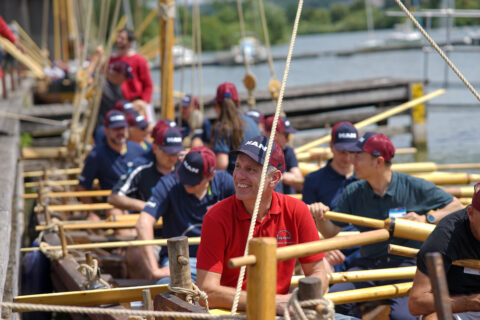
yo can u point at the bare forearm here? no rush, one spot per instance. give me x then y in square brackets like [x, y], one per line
[453, 206]
[222, 297]
[126, 203]
[145, 233]
[465, 303]
[326, 227]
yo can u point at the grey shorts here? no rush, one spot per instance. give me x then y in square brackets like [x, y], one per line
[471, 315]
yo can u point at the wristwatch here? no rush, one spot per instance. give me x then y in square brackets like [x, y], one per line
[430, 218]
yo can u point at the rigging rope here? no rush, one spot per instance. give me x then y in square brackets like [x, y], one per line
[267, 155]
[198, 38]
[193, 295]
[267, 39]
[437, 48]
[309, 314]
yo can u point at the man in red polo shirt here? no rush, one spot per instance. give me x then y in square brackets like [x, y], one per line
[225, 228]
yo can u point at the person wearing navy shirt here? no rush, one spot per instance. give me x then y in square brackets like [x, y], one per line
[456, 237]
[138, 130]
[325, 186]
[182, 199]
[133, 192]
[257, 116]
[381, 194]
[199, 134]
[291, 177]
[232, 126]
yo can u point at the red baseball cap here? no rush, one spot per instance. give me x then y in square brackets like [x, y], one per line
[160, 124]
[197, 164]
[227, 90]
[135, 119]
[376, 144]
[283, 125]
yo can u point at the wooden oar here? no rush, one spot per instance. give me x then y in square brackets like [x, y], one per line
[446, 178]
[68, 194]
[412, 253]
[82, 225]
[51, 172]
[80, 207]
[44, 152]
[35, 68]
[376, 118]
[432, 166]
[324, 153]
[370, 294]
[309, 248]
[460, 192]
[55, 183]
[113, 244]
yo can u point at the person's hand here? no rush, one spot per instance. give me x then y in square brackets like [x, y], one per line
[281, 301]
[318, 210]
[334, 257]
[288, 178]
[161, 272]
[415, 217]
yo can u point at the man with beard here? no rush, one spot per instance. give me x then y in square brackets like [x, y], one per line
[138, 89]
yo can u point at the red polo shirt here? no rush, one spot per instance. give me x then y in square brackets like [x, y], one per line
[225, 231]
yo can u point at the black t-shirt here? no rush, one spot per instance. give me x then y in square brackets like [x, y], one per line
[454, 240]
[140, 182]
[110, 95]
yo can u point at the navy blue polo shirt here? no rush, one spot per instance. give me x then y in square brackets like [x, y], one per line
[222, 144]
[405, 191]
[325, 185]
[203, 133]
[107, 165]
[183, 212]
[290, 162]
[140, 182]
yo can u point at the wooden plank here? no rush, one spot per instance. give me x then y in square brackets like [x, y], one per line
[78, 194]
[170, 302]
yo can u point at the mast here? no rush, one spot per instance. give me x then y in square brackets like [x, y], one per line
[166, 10]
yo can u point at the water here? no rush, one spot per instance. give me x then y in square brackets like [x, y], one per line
[452, 127]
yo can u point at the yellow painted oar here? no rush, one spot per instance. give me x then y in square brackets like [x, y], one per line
[79, 194]
[44, 152]
[324, 153]
[370, 294]
[376, 118]
[36, 69]
[103, 224]
[56, 183]
[51, 172]
[460, 192]
[80, 207]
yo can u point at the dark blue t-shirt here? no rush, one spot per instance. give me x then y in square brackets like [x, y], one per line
[203, 133]
[290, 162]
[325, 185]
[405, 192]
[107, 165]
[222, 144]
[183, 212]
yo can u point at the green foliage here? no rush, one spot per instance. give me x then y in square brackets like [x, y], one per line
[25, 140]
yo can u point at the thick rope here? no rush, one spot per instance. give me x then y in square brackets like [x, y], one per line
[244, 35]
[193, 295]
[267, 38]
[267, 155]
[120, 312]
[309, 314]
[437, 48]
[91, 274]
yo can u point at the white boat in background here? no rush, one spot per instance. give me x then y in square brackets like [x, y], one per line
[405, 36]
[249, 47]
[182, 56]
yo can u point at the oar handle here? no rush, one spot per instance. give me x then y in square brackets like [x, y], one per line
[356, 220]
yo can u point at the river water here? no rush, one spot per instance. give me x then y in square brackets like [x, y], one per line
[453, 119]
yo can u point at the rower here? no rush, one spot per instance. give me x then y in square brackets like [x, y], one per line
[181, 199]
[456, 237]
[200, 135]
[225, 228]
[138, 89]
[138, 130]
[257, 116]
[380, 195]
[292, 175]
[325, 186]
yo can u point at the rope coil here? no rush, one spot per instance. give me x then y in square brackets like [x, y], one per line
[309, 314]
[92, 275]
[166, 11]
[191, 295]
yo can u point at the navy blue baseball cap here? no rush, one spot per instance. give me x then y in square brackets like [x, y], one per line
[256, 148]
[197, 164]
[189, 101]
[169, 139]
[115, 119]
[135, 119]
[256, 115]
[344, 136]
[377, 144]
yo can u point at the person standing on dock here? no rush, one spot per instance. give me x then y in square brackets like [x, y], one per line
[383, 193]
[456, 237]
[198, 133]
[181, 199]
[225, 228]
[231, 128]
[138, 89]
[325, 186]
[292, 177]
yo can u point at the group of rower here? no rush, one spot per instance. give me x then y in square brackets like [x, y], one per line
[211, 192]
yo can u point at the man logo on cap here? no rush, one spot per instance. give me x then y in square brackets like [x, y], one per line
[256, 144]
[347, 135]
[189, 167]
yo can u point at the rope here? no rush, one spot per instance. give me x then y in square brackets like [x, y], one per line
[267, 39]
[242, 31]
[309, 314]
[120, 312]
[437, 48]
[166, 11]
[44, 246]
[92, 275]
[198, 39]
[191, 295]
[267, 155]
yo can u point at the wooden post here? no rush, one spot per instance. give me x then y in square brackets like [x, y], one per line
[166, 10]
[310, 288]
[4, 87]
[12, 78]
[262, 279]
[436, 273]
[147, 302]
[418, 115]
[63, 240]
[56, 30]
[178, 257]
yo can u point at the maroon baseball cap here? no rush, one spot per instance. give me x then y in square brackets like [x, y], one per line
[344, 135]
[197, 164]
[169, 139]
[227, 90]
[121, 67]
[283, 125]
[476, 196]
[115, 119]
[189, 100]
[256, 148]
[135, 119]
[376, 144]
[124, 106]
[160, 124]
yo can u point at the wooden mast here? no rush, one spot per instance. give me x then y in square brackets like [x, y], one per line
[167, 14]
